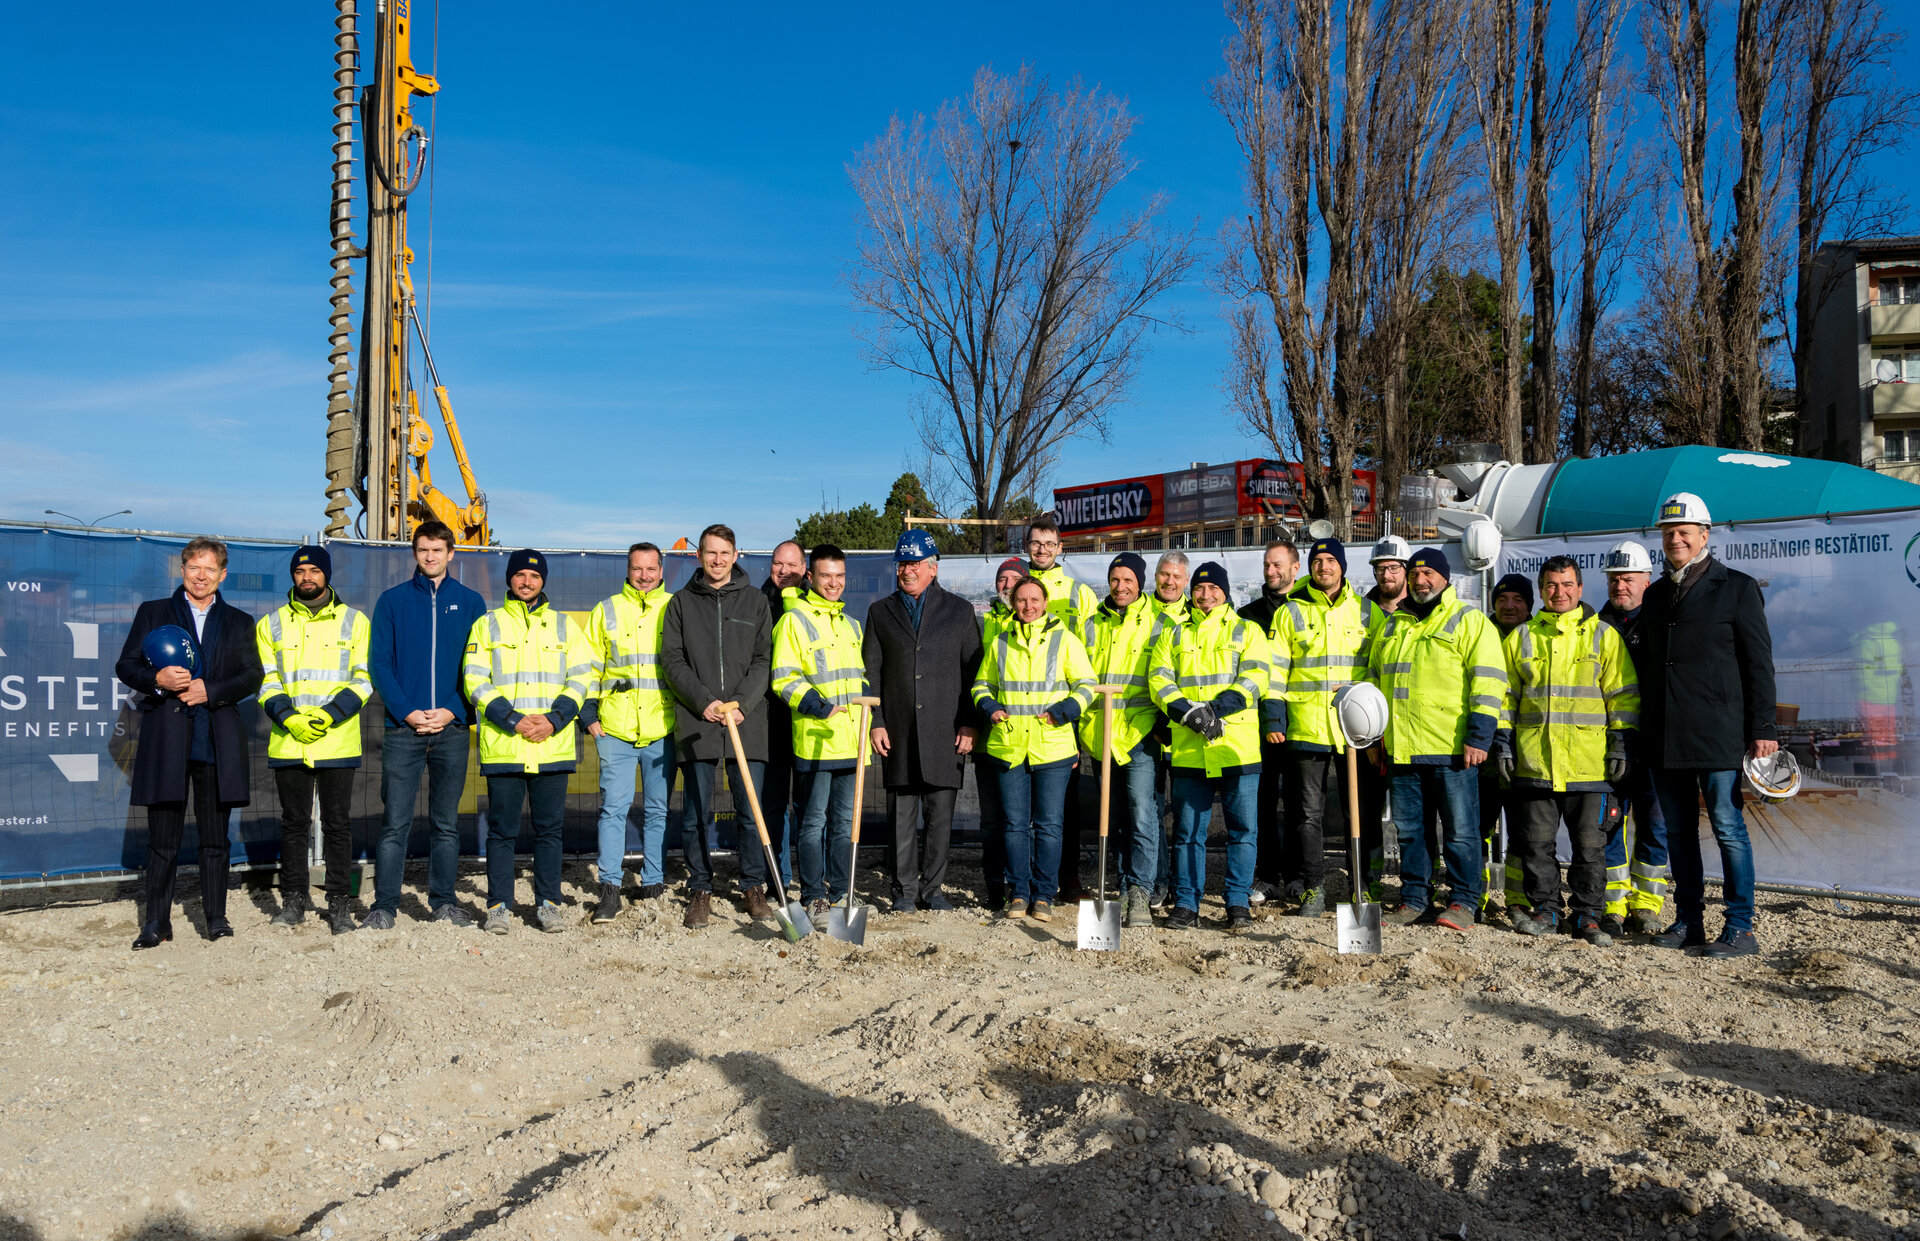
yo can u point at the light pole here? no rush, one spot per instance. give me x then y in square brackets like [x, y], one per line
[91, 525]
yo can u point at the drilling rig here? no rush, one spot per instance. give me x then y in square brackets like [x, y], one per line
[377, 439]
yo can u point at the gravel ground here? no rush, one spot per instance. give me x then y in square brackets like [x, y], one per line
[960, 1077]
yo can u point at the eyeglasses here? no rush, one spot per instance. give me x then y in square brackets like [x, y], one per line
[1041, 545]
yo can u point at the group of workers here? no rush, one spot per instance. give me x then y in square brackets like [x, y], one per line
[1560, 716]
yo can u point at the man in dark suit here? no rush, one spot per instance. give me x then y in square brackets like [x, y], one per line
[922, 650]
[1706, 706]
[192, 741]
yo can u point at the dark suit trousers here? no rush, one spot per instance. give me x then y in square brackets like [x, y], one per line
[166, 824]
[920, 862]
[1270, 865]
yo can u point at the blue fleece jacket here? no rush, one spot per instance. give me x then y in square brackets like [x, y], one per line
[419, 645]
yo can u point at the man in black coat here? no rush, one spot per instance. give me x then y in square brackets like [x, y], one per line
[716, 647]
[922, 651]
[1706, 705]
[192, 741]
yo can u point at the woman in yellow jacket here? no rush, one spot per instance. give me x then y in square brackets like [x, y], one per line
[1035, 680]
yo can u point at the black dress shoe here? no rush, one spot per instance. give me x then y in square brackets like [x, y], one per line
[219, 928]
[152, 937]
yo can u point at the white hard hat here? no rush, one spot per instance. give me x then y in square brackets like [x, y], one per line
[1683, 507]
[1480, 544]
[1362, 711]
[1393, 547]
[1628, 557]
[1773, 778]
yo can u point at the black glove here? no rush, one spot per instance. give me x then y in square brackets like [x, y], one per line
[1618, 764]
[1200, 719]
[1216, 727]
[1504, 762]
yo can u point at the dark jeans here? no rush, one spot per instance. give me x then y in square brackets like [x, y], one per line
[442, 756]
[1193, 792]
[166, 824]
[1035, 800]
[823, 843]
[993, 831]
[1316, 788]
[1538, 814]
[1681, 793]
[1454, 793]
[699, 778]
[296, 786]
[1070, 821]
[547, 795]
[1269, 844]
[922, 832]
[779, 794]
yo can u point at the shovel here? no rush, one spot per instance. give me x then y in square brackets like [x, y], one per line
[792, 915]
[1100, 917]
[848, 922]
[1359, 920]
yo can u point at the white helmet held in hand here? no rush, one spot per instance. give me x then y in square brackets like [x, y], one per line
[1628, 557]
[1393, 547]
[1773, 778]
[1362, 711]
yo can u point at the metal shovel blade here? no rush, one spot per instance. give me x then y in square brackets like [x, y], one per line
[1359, 927]
[794, 923]
[1100, 926]
[847, 926]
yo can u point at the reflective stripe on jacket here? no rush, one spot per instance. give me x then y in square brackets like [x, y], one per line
[630, 698]
[1570, 680]
[314, 657]
[1445, 678]
[1194, 661]
[527, 659]
[1029, 670]
[1119, 644]
[1068, 598]
[1320, 645]
[817, 666]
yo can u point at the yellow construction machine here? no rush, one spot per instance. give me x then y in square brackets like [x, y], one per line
[377, 440]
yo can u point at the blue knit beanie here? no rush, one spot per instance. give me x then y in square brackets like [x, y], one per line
[315, 555]
[527, 558]
[1134, 563]
[1328, 547]
[1433, 558]
[1212, 571]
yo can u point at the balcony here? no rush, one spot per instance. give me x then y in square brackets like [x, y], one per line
[1895, 399]
[1894, 321]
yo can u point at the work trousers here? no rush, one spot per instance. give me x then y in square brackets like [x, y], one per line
[1645, 862]
[619, 760]
[1588, 816]
[1035, 802]
[993, 830]
[405, 757]
[922, 833]
[698, 780]
[296, 786]
[166, 825]
[823, 843]
[1316, 784]
[1506, 877]
[546, 795]
[1270, 847]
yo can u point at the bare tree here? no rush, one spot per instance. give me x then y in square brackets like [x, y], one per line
[1607, 193]
[1847, 105]
[994, 273]
[1494, 75]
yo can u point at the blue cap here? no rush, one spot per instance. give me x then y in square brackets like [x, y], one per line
[915, 545]
[527, 558]
[1212, 571]
[1132, 562]
[1433, 558]
[1518, 584]
[315, 555]
[1328, 547]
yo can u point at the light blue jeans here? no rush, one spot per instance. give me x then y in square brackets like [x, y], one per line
[1193, 792]
[618, 762]
[1143, 819]
[823, 843]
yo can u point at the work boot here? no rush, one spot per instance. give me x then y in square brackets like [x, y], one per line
[293, 911]
[551, 918]
[1457, 917]
[755, 900]
[1313, 903]
[499, 921]
[1404, 914]
[1613, 925]
[1135, 912]
[1041, 911]
[1182, 919]
[699, 910]
[1680, 935]
[1732, 944]
[340, 920]
[1159, 899]
[377, 920]
[1294, 890]
[1589, 928]
[652, 902]
[452, 914]
[1528, 922]
[609, 907]
[1643, 922]
[1016, 908]
[1239, 920]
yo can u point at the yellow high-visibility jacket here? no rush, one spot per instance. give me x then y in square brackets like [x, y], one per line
[1030, 670]
[527, 659]
[1120, 644]
[1193, 662]
[817, 666]
[630, 699]
[1570, 682]
[314, 656]
[1319, 645]
[1445, 678]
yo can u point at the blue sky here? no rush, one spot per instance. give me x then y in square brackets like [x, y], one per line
[639, 223]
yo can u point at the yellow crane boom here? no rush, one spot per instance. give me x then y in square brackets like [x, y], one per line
[377, 440]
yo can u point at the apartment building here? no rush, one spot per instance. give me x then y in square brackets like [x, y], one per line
[1863, 382]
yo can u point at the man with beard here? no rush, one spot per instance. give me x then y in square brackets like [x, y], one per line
[314, 653]
[1278, 567]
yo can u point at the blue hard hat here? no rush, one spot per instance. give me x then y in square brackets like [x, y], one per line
[914, 545]
[170, 646]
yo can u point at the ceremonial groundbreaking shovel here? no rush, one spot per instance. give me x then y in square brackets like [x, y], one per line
[848, 922]
[1362, 712]
[792, 915]
[1100, 917]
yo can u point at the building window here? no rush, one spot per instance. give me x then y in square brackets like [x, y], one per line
[1893, 366]
[1901, 445]
[1899, 290]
